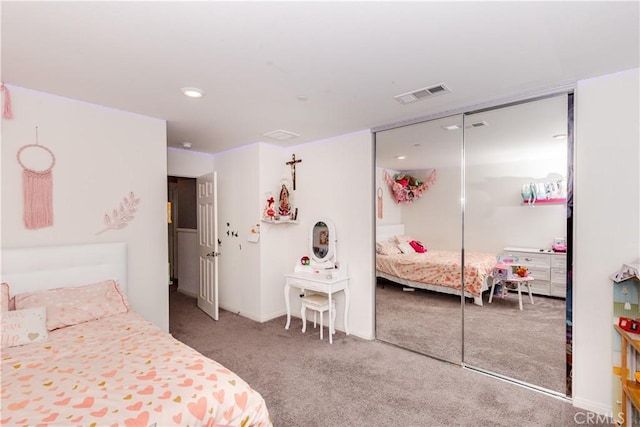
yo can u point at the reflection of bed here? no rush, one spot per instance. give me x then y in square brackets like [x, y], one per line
[435, 270]
[118, 369]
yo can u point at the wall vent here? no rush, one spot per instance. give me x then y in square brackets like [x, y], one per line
[425, 92]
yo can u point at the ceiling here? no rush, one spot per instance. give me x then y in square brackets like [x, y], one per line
[513, 133]
[318, 69]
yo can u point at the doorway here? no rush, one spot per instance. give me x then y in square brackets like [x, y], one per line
[182, 230]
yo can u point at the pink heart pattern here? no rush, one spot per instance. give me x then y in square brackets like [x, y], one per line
[94, 373]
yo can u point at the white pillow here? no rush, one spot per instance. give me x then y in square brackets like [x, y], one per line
[406, 248]
[388, 247]
[26, 326]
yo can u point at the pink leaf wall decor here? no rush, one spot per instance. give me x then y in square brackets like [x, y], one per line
[121, 215]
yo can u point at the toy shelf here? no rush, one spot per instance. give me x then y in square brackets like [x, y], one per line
[630, 387]
[547, 201]
[632, 390]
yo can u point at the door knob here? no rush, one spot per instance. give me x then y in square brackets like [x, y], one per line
[213, 254]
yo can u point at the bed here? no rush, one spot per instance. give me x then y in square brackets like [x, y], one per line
[115, 368]
[435, 270]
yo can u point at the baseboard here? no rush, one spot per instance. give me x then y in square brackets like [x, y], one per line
[242, 313]
[188, 293]
[275, 314]
[589, 405]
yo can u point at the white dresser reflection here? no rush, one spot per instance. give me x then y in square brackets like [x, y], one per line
[549, 269]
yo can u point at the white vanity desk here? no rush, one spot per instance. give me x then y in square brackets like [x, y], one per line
[318, 273]
[318, 282]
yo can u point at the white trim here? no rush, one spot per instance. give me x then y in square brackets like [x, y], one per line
[187, 293]
[592, 406]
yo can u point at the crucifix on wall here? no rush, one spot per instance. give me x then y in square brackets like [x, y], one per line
[292, 163]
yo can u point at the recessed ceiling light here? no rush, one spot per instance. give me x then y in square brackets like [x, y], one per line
[452, 127]
[192, 92]
[560, 136]
[302, 98]
[186, 145]
[401, 157]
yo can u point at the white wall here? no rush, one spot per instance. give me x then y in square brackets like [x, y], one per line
[102, 155]
[238, 205]
[606, 223]
[495, 216]
[188, 164]
[188, 280]
[277, 254]
[435, 219]
[336, 180]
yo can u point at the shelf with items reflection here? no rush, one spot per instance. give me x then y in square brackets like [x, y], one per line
[557, 200]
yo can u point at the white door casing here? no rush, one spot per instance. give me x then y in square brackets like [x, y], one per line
[208, 244]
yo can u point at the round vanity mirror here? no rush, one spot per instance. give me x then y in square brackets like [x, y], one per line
[323, 243]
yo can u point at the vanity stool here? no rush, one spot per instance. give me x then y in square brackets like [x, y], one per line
[319, 303]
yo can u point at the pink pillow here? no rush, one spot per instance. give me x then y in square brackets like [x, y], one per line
[417, 246]
[4, 297]
[387, 247]
[73, 305]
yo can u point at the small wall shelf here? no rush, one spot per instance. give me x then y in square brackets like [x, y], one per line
[277, 222]
[556, 201]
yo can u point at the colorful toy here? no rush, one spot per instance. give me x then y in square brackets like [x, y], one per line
[629, 325]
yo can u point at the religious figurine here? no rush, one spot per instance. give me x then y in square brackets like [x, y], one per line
[285, 206]
[269, 211]
[292, 163]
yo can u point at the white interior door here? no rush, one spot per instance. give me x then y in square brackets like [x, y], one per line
[208, 244]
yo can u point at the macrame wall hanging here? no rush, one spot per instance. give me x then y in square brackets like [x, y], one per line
[37, 188]
[407, 188]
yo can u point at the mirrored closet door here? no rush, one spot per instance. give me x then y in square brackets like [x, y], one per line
[473, 192]
[515, 190]
[418, 213]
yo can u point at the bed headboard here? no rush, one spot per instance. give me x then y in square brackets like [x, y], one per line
[46, 267]
[384, 232]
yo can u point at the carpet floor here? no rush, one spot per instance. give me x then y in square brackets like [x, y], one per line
[355, 382]
[528, 344]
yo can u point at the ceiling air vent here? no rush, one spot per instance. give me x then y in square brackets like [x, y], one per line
[477, 124]
[425, 92]
[281, 135]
